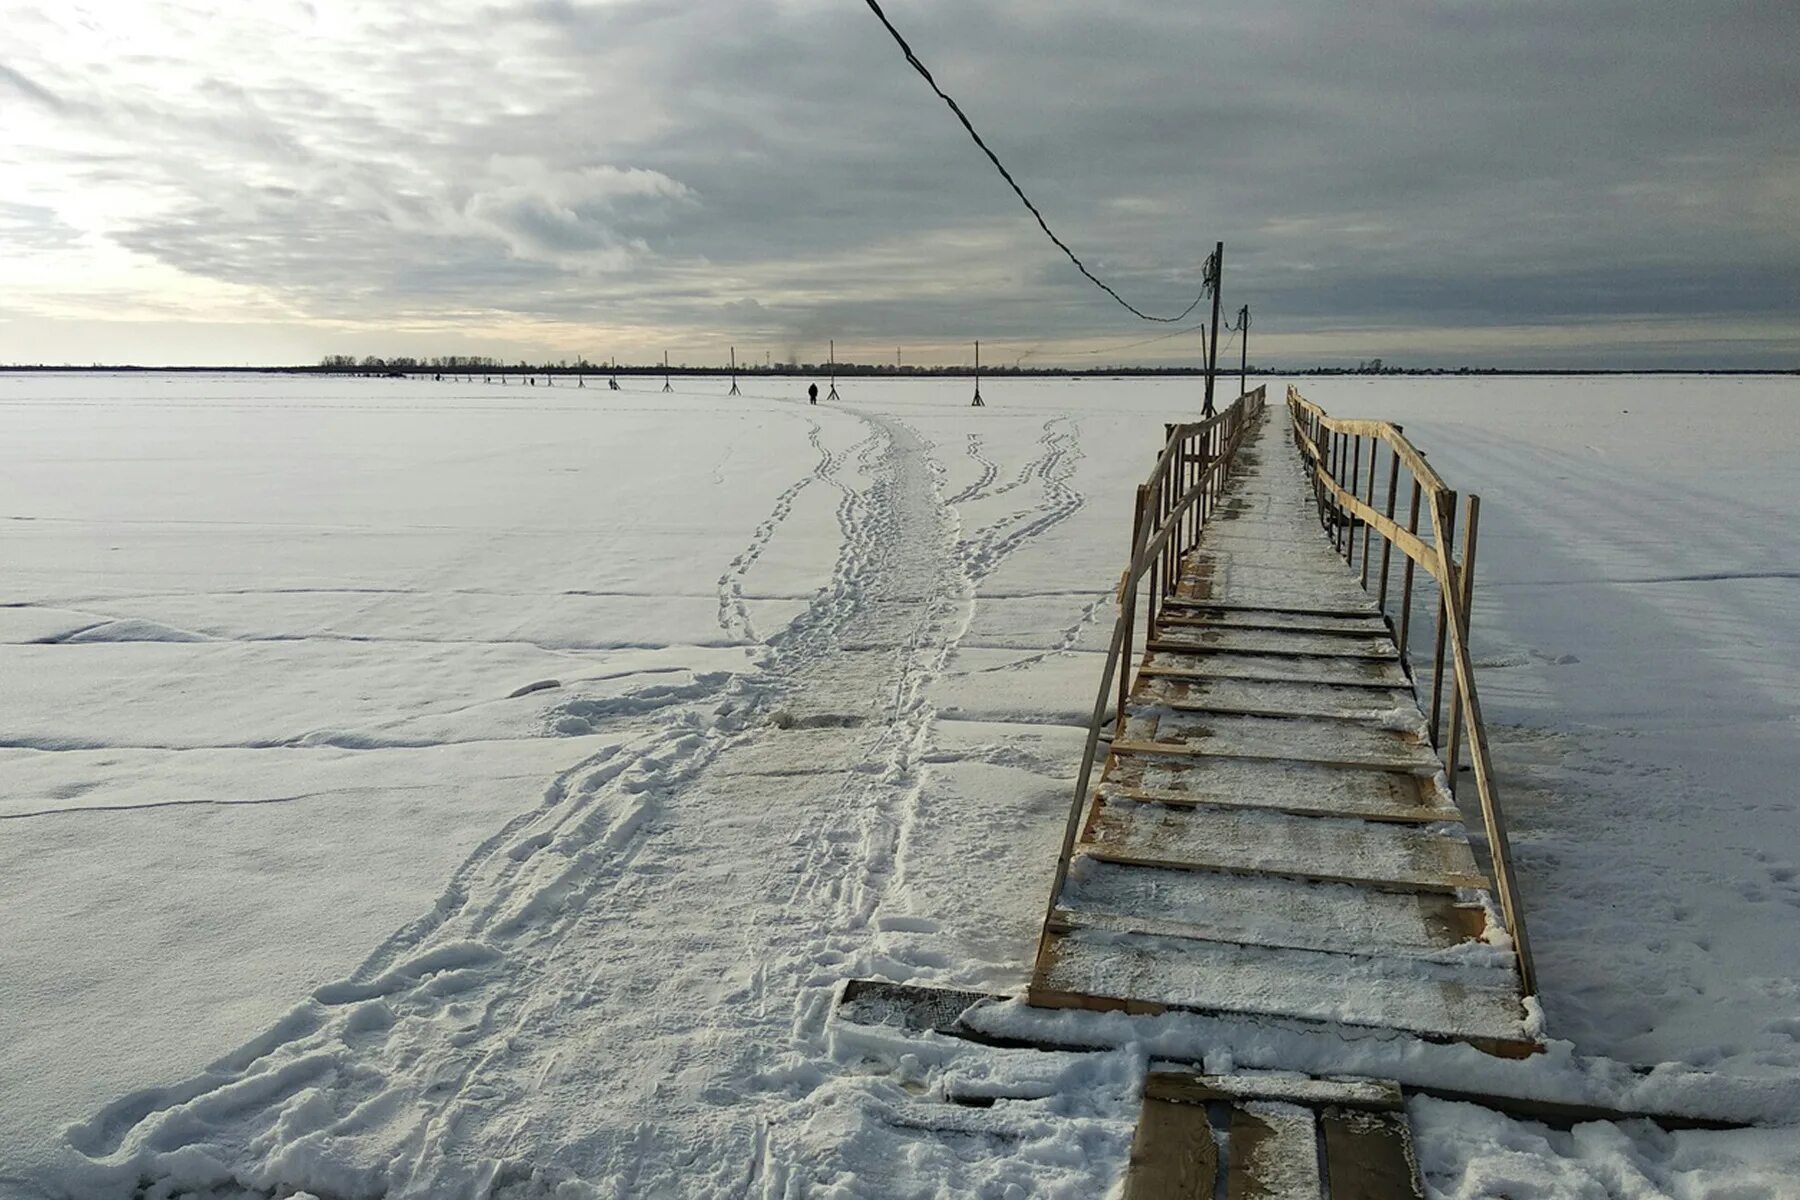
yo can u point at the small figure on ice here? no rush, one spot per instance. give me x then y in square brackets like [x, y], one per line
[812, 393]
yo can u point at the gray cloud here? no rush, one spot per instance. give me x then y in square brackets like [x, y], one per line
[723, 169]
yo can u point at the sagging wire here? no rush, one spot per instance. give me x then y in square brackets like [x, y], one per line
[913, 59]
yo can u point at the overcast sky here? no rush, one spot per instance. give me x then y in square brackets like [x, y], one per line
[1509, 182]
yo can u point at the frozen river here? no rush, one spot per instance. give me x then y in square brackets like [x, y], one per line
[417, 787]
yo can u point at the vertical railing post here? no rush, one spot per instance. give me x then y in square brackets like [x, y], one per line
[1465, 598]
[1447, 531]
[1387, 547]
[1406, 578]
[1369, 499]
[1128, 599]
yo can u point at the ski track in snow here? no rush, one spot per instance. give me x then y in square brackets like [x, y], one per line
[514, 1025]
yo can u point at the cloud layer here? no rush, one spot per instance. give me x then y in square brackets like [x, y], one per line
[1609, 183]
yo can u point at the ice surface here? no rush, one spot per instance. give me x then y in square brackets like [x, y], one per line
[301, 892]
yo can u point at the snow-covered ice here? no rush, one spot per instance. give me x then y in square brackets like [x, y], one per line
[422, 787]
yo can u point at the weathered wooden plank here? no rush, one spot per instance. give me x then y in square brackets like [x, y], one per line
[1384, 853]
[1191, 663]
[1284, 698]
[1301, 738]
[1283, 643]
[1414, 815]
[1272, 1153]
[1173, 1156]
[1369, 1156]
[1360, 613]
[1153, 973]
[1255, 908]
[1274, 754]
[1279, 786]
[1363, 1095]
[1196, 612]
[1365, 626]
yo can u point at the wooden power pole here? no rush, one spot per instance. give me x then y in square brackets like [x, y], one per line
[1212, 346]
[1244, 349]
[977, 402]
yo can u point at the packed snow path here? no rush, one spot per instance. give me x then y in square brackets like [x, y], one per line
[1271, 834]
[630, 981]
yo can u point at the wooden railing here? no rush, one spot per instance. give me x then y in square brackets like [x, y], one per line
[1168, 513]
[1347, 458]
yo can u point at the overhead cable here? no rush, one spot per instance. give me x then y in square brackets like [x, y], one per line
[1206, 288]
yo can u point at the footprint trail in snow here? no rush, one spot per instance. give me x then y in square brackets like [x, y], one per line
[624, 991]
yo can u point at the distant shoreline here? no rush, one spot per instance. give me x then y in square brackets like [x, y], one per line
[809, 371]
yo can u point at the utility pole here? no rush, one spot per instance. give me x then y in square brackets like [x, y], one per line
[1212, 347]
[734, 387]
[1244, 348]
[833, 395]
[977, 402]
[666, 386]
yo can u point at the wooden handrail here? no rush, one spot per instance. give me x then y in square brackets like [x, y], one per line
[1455, 591]
[1154, 535]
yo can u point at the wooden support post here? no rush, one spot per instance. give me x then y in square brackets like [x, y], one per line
[833, 394]
[1128, 598]
[1369, 499]
[734, 387]
[666, 386]
[1406, 578]
[1466, 599]
[1447, 531]
[1343, 458]
[1387, 547]
[977, 402]
[1350, 522]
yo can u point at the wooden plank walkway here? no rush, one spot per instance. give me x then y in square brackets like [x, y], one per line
[1271, 835]
[1283, 1139]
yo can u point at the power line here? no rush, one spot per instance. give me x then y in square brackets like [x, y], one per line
[956, 108]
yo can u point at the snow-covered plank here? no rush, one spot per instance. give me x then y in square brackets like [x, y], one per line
[1325, 848]
[1088, 968]
[1221, 664]
[1270, 587]
[1361, 1094]
[1272, 1153]
[1269, 911]
[1275, 785]
[1302, 739]
[1295, 609]
[1299, 788]
[1276, 699]
[1353, 625]
[1282, 642]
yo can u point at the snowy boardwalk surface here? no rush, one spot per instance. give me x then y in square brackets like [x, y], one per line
[1271, 835]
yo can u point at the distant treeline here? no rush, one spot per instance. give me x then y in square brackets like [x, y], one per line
[460, 365]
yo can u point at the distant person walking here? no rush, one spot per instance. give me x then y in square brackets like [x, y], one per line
[812, 393]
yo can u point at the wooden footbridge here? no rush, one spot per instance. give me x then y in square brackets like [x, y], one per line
[1273, 830]
[1265, 826]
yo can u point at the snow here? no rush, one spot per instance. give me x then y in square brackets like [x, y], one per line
[423, 787]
